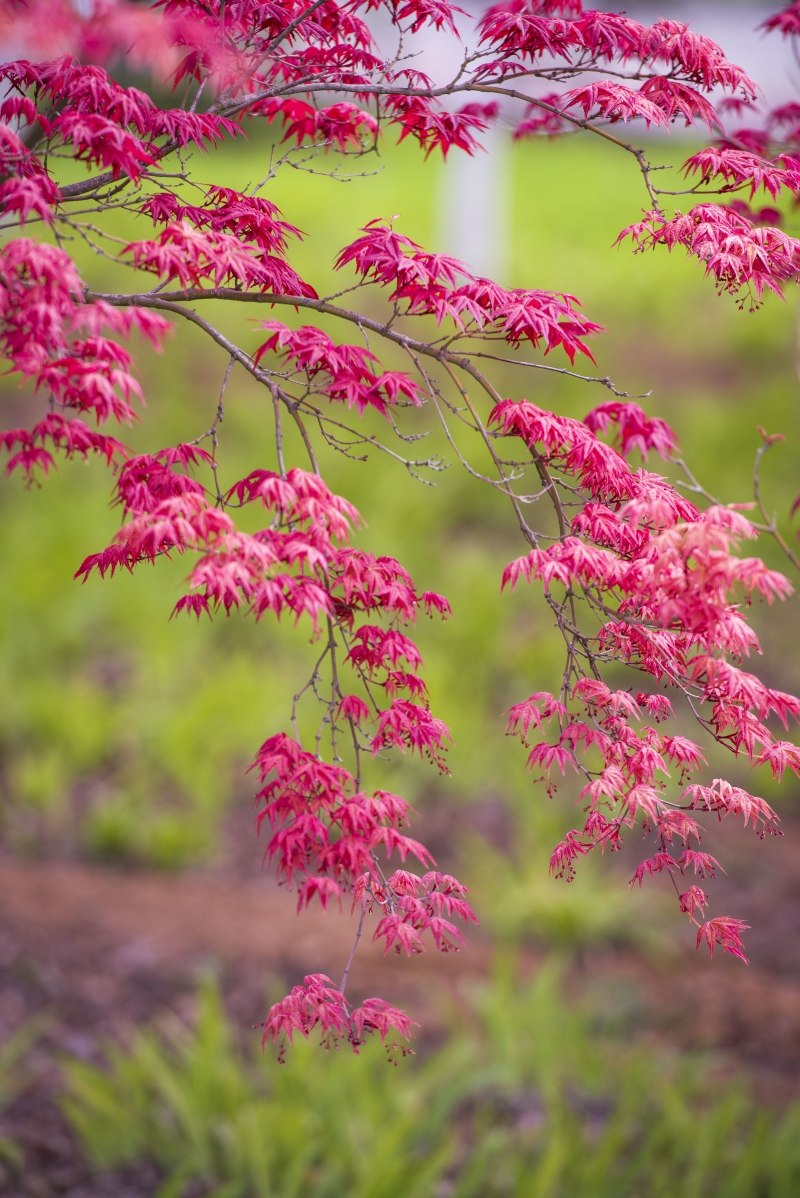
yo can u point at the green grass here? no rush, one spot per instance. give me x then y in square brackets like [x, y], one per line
[14, 1077]
[125, 735]
[541, 1099]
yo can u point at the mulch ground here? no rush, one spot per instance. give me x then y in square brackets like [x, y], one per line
[97, 951]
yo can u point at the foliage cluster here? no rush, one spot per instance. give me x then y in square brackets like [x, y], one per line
[123, 734]
[633, 571]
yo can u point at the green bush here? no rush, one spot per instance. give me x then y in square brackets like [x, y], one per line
[533, 1098]
[323, 1125]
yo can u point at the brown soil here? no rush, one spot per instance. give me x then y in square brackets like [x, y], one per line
[100, 950]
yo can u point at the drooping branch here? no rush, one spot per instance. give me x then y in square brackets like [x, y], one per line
[634, 575]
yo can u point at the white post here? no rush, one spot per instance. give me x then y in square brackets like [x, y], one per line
[474, 208]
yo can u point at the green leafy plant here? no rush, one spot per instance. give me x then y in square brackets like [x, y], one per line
[330, 1124]
[539, 1098]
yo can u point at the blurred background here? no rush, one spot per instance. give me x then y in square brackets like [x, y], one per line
[576, 1046]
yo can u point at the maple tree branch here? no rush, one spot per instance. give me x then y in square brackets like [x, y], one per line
[72, 190]
[379, 90]
[771, 524]
[585, 378]
[174, 302]
[647, 600]
[343, 983]
[280, 37]
[168, 302]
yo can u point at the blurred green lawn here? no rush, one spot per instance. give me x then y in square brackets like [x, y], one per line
[125, 736]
